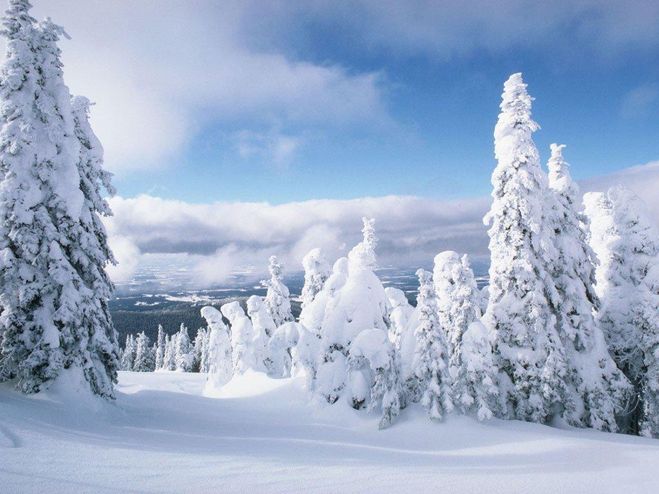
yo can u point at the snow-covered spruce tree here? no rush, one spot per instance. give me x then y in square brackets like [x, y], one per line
[598, 387]
[372, 357]
[264, 327]
[198, 349]
[242, 336]
[220, 363]
[457, 298]
[528, 351]
[277, 299]
[360, 303]
[128, 354]
[399, 314]
[53, 287]
[430, 381]
[474, 387]
[627, 246]
[160, 348]
[316, 272]
[169, 358]
[144, 358]
[183, 355]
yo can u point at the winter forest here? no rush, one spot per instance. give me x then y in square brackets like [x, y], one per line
[565, 334]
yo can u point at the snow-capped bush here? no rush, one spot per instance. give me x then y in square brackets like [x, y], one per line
[264, 327]
[242, 336]
[219, 355]
[283, 341]
[277, 299]
[374, 374]
[399, 313]
[316, 272]
[360, 303]
[313, 313]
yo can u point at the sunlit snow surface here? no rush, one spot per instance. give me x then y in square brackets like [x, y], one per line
[260, 435]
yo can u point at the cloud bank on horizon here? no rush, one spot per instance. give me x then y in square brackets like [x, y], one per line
[221, 238]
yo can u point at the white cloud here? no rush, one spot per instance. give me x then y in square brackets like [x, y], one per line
[222, 238]
[160, 71]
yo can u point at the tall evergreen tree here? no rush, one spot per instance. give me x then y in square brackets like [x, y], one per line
[53, 287]
[128, 354]
[160, 348]
[627, 245]
[528, 351]
[316, 272]
[144, 358]
[596, 385]
[431, 384]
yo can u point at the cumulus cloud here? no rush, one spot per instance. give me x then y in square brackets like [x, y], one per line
[221, 238]
[160, 71]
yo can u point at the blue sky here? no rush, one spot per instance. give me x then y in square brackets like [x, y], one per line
[220, 119]
[596, 91]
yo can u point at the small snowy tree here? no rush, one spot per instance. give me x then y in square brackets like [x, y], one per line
[264, 327]
[198, 349]
[169, 358]
[316, 272]
[313, 313]
[220, 362]
[144, 358]
[183, 354]
[280, 348]
[372, 357]
[473, 375]
[160, 348]
[128, 355]
[430, 383]
[627, 246]
[399, 314]
[242, 336]
[277, 299]
[528, 351]
[360, 303]
[596, 385]
[457, 298]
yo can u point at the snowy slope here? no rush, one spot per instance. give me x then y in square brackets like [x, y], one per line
[261, 435]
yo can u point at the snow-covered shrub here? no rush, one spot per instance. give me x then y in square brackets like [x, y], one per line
[277, 298]
[199, 348]
[429, 380]
[280, 347]
[242, 336]
[627, 246]
[374, 375]
[473, 374]
[169, 358]
[305, 355]
[219, 354]
[596, 386]
[360, 303]
[313, 313]
[316, 272]
[399, 313]
[264, 327]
